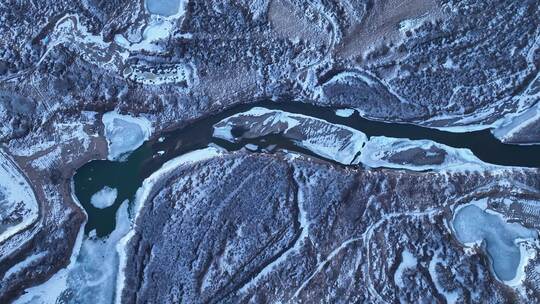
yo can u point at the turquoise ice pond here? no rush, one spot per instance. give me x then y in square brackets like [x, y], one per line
[472, 224]
[163, 7]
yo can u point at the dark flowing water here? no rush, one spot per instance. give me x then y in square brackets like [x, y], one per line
[127, 176]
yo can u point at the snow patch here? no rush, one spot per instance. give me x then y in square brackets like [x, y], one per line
[18, 204]
[408, 261]
[345, 112]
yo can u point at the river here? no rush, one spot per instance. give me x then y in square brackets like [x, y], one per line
[127, 176]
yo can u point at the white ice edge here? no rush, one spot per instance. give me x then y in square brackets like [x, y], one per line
[115, 141]
[142, 194]
[525, 255]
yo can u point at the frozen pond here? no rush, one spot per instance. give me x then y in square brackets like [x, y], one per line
[163, 7]
[472, 224]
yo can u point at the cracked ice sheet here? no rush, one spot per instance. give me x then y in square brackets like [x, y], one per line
[125, 133]
[331, 141]
[14, 190]
[91, 275]
[379, 147]
[164, 7]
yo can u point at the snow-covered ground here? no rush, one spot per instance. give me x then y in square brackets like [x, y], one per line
[92, 273]
[504, 241]
[154, 75]
[24, 264]
[52, 289]
[438, 257]
[337, 142]
[104, 198]
[18, 204]
[125, 133]
[408, 261]
[163, 18]
[379, 149]
[70, 32]
[142, 195]
[511, 125]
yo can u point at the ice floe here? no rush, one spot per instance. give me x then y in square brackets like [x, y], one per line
[104, 198]
[345, 112]
[125, 133]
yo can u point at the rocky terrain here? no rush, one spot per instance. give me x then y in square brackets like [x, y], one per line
[86, 79]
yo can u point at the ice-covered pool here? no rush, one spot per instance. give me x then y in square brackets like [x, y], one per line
[473, 224]
[163, 7]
